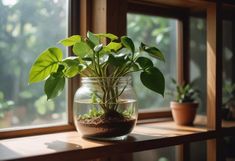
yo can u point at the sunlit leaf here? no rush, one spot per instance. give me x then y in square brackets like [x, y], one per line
[45, 64]
[82, 49]
[93, 38]
[71, 40]
[73, 67]
[114, 46]
[71, 71]
[105, 50]
[71, 61]
[108, 35]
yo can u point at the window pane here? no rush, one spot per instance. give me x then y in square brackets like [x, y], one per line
[198, 59]
[27, 28]
[228, 75]
[159, 32]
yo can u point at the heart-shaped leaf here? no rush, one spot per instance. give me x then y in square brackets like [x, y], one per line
[93, 38]
[154, 80]
[152, 51]
[72, 67]
[144, 62]
[117, 61]
[45, 64]
[82, 49]
[108, 35]
[71, 40]
[128, 43]
[114, 46]
[54, 86]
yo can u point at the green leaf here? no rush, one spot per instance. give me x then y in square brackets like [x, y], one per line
[105, 50]
[72, 71]
[54, 86]
[71, 61]
[82, 49]
[114, 46]
[135, 67]
[93, 38]
[155, 52]
[152, 51]
[108, 35]
[117, 60]
[97, 48]
[73, 67]
[71, 40]
[154, 80]
[144, 62]
[45, 64]
[127, 42]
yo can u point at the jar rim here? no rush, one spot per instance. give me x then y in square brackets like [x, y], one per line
[127, 76]
[93, 79]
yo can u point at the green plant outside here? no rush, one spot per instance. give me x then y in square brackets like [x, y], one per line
[5, 105]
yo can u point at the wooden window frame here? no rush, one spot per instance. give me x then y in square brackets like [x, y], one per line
[108, 12]
[95, 17]
[182, 54]
[73, 23]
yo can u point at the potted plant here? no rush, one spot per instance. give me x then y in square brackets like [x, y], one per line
[228, 101]
[105, 105]
[184, 106]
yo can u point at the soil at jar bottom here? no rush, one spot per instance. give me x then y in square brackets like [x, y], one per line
[105, 127]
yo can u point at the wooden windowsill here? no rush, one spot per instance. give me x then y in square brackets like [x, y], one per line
[71, 146]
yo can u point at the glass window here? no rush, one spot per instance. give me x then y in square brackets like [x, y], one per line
[228, 76]
[198, 59]
[160, 32]
[27, 28]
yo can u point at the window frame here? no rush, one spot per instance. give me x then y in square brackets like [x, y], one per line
[73, 28]
[214, 34]
[182, 54]
[87, 11]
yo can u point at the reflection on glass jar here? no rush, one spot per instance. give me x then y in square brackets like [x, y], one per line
[105, 107]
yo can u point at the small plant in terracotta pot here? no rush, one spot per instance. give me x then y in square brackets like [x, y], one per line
[184, 106]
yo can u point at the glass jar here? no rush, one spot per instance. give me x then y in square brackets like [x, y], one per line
[105, 107]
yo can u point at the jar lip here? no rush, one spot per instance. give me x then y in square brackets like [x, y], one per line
[88, 79]
[123, 77]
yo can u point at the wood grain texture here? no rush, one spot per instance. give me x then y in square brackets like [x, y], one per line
[214, 79]
[71, 146]
[189, 4]
[211, 66]
[20, 132]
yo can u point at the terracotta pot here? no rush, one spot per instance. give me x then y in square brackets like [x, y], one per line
[183, 113]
